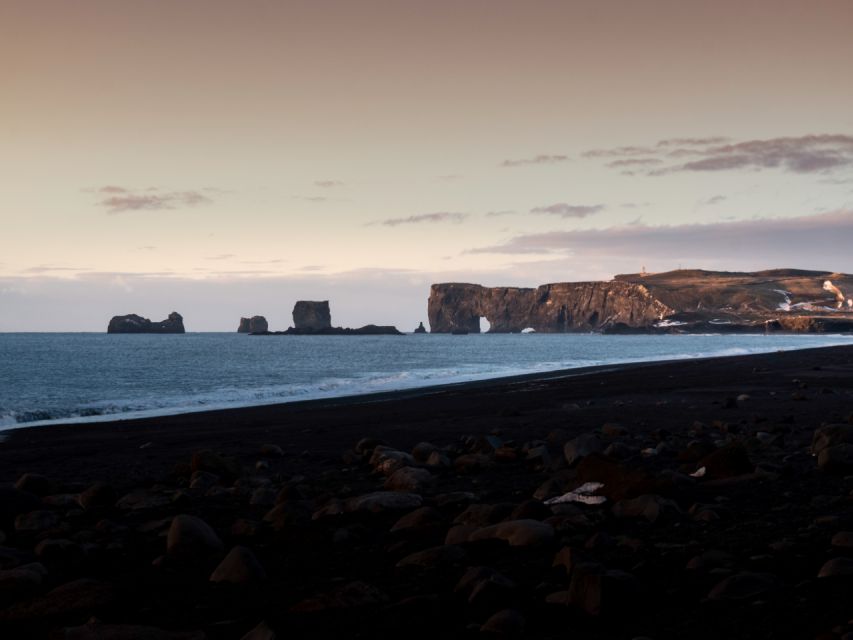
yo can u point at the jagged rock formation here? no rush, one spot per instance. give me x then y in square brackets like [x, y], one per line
[255, 324]
[137, 324]
[683, 301]
[312, 316]
[421, 328]
[315, 319]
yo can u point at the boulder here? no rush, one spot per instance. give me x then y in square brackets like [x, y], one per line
[743, 586]
[97, 630]
[409, 479]
[35, 483]
[837, 567]
[380, 501]
[240, 566]
[192, 539]
[441, 557]
[580, 447]
[206, 460]
[518, 533]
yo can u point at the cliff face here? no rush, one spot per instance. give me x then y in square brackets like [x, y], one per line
[551, 308]
[312, 316]
[683, 301]
[137, 324]
[255, 324]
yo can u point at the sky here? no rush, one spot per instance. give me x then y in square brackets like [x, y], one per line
[225, 159]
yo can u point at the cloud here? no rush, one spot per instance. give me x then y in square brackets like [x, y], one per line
[127, 200]
[312, 198]
[450, 177]
[221, 256]
[804, 154]
[440, 216]
[714, 200]
[809, 241]
[502, 212]
[540, 159]
[328, 184]
[634, 162]
[565, 210]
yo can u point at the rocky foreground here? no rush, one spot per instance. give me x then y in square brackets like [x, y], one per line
[702, 499]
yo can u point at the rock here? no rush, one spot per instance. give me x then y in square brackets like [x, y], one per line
[261, 632]
[60, 554]
[649, 507]
[420, 329]
[619, 480]
[271, 451]
[726, 462]
[142, 499]
[601, 592]
[613, 430]
[419, 519]
[569, 558]
[240, 566]
[836, 567]
[225, 468]
[386, 460]
[486, 588]
[831, 435]
[480, 515]
[192, 539]
[440, 557]
[409, 479]
[255, 324]
[743, 586]
[312, 316]
[349, 596]
[582, 446]
[836, 458]
[14, 502]
[203, 480]
[422, 451]
[287, 515]
[21, 582]
[97, 630]
[518, 533]
[98, 495]
[539, 458]
[137, 324]
[843, 540]
[472, 463]
[438, 460]
[35, 483]
[380, 501]
[507, 623]
[78, 598]
[37, 521]
[263, 496]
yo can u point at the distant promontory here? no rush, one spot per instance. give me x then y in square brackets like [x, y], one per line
[683, 301]
[133, 323]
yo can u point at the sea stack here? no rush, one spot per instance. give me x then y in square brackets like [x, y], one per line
[312, 317]
[255, 324]
[133, 323]
[421, 328]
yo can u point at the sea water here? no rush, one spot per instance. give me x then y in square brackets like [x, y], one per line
[54, 377]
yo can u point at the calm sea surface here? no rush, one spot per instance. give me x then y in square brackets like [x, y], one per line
[87, 376]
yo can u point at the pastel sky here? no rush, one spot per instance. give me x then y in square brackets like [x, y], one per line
[225, 158]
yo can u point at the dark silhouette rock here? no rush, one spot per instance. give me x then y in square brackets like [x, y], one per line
[676, 301]
[255, 324]
[421, 328]
[137, 324]
[312, 316]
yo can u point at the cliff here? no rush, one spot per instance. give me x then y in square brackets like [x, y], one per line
[676, 301]
[137, 324]
[312, 316]
[255, 324]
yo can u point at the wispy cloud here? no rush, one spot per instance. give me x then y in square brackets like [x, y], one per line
[328, 184]
[803, 154]
[502, 212]
[543, 158]
[449, 177]
[803, 240]
[121, 199]
[565, 210]
[714, 200]
[221, 256]
[439, 216]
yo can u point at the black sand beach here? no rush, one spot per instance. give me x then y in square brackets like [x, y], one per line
[129, 529]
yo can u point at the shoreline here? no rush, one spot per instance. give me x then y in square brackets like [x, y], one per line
[368, 396]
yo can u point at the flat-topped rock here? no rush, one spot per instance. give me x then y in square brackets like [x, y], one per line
[255, 324]
[133, 323]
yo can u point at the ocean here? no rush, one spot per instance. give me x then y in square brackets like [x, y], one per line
[76, 377]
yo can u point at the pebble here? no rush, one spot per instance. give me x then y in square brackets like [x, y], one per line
[240, 566]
